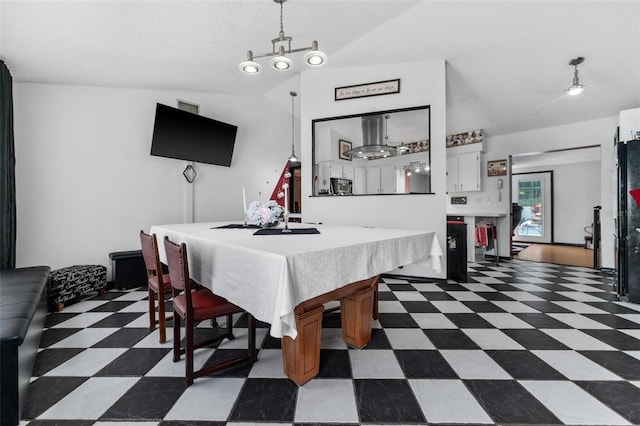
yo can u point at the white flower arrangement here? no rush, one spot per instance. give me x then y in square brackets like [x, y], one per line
[264, 214]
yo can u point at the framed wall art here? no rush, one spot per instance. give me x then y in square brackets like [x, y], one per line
[497, 168]
[344, 150]
[465, 138]
[368, 89]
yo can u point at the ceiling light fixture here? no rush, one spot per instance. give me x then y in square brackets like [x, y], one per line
[576, 88]
[416, 167]
[293, 158]
[402, 148]
[280, 62]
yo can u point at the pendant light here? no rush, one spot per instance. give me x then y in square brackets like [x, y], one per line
[402, 148]
[576, 88]
[281, 46]
[293, 158]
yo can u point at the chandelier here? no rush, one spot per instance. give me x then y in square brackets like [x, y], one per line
[575, 88]
[281, 46]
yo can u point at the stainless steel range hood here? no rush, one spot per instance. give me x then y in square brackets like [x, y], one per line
[373, 140]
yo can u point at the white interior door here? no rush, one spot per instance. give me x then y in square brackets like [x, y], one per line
[533, 191]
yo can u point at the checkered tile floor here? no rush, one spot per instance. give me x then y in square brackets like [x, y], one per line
[519, 343]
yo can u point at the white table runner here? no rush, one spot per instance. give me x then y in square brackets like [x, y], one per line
[268, 275]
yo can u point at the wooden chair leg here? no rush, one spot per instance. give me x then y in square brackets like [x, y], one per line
[376, 302]
[189, 332]
[162, 317]
[253, 356]
[176, 337]
[152, 310]
[230, 335]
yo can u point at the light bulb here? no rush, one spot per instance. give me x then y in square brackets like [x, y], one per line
[281, 63]
[576, 89]
[250, 67]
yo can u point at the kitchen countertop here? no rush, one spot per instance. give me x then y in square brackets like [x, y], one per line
[474, 211]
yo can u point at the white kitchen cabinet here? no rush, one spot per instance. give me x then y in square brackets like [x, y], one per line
[359, 180]
[324, 173]
[381, 180]
[335, 169]
[340, 170]
[463, 172]
[387, 180]
[373, 180]
[347, 171]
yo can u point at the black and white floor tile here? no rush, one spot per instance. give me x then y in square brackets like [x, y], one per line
[519, 343]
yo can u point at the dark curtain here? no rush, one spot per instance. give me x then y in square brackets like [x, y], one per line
[7, 173]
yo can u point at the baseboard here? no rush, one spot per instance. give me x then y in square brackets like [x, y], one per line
[492, 258]
[552, 244]
[568, 244]
[414, 278]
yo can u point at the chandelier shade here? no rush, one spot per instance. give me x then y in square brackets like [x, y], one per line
[315, 58]
[250, 66]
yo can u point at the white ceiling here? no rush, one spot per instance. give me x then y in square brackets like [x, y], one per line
[555, 158]
[507, 61]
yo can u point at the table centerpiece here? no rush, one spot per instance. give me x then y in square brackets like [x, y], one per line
[265, 215]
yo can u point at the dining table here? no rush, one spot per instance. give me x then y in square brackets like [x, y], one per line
[286, 278]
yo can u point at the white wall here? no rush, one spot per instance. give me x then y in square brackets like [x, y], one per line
[576, 191]
[629, 122]
[422, 83]
[594, 132]
[86, 183]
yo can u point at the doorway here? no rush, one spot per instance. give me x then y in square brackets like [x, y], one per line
[534, 193]
[574, 176]
[295, 192]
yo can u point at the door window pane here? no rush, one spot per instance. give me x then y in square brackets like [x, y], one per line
[530, 198]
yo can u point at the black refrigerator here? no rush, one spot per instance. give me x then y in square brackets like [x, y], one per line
[628, 221]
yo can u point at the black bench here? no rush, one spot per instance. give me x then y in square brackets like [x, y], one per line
[23, 309]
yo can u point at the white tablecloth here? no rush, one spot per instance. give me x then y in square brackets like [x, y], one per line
[268, 275]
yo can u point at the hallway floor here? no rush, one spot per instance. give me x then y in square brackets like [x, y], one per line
[520, 343]
[558, 254]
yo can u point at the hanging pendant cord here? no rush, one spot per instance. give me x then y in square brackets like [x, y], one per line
[293, 94]
[281, 20]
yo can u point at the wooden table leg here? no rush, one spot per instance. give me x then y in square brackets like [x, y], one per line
[301, 356]
[356, 314]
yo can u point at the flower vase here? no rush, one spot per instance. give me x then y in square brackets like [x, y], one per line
[270, 225]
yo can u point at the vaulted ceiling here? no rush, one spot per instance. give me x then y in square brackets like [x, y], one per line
[507, 61]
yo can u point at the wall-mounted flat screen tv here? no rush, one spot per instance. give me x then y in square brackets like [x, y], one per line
[186, 136]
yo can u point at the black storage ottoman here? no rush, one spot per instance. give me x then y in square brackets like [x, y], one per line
[129, 270]
[74, 281]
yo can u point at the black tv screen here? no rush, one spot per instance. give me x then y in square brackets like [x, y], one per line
[186, 136]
